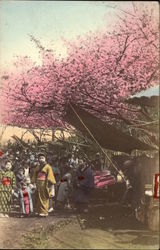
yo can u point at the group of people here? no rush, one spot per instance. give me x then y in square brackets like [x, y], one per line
[42, 185]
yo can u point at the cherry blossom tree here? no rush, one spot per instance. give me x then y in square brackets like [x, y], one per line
[101, 70]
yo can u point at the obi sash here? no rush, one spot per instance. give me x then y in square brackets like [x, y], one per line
[80, 178]
[63, 180]
[41, 176]
[6, 181]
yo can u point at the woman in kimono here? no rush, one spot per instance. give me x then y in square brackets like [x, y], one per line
[44, 178]
[7, 185]
[83, 185]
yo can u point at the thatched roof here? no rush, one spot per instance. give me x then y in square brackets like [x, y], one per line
[106, 135]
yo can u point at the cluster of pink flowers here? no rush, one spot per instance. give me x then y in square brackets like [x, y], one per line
[100, 72]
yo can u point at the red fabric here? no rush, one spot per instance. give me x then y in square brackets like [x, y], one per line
[156, 186]
[1, 153]
[26, 201]
[41, 176]
[80, 178]
[63, 180]
[6, 181]
[103, 179]
[25, 193]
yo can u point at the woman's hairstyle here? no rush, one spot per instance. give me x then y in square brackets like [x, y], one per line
[41, 154]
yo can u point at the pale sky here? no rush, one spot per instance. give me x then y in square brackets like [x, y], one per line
[49, 21]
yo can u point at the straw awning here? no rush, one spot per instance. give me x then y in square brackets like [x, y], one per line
[105, 134]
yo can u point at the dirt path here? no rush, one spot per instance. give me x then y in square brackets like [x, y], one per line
[73, 238]
[103, 229]
[13, 230]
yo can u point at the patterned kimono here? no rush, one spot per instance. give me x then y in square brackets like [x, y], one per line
[43, 177]
[7, 183]
[25, 195]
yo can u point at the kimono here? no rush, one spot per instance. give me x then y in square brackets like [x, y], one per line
[43, 177]
[7, 184]
[63, 190]
[25, 195]
[85, 179]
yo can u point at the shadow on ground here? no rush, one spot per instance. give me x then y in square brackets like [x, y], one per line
[121, 222]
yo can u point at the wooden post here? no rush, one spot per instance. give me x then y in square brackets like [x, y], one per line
[53, 135]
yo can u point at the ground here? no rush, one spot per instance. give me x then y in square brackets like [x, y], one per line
[104, 227]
